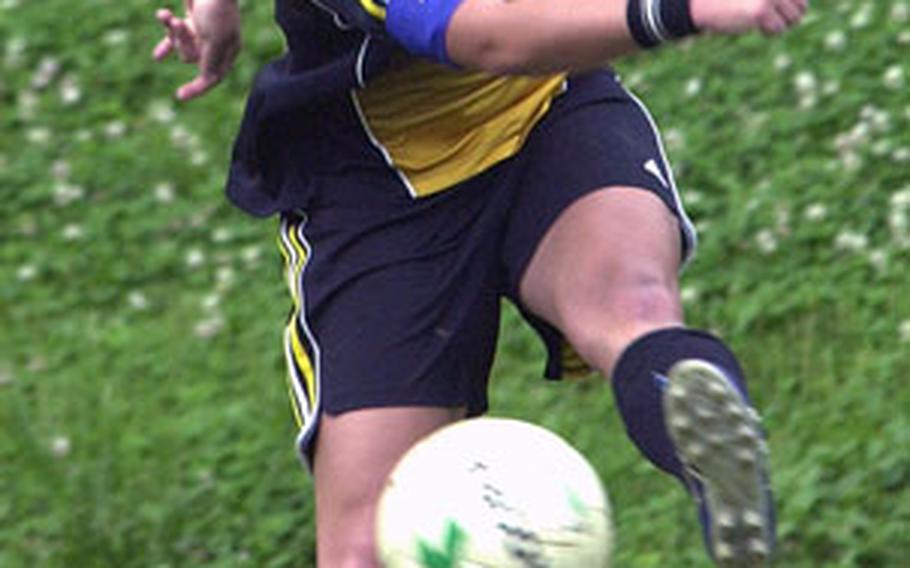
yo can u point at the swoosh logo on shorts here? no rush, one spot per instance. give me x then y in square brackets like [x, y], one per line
[652, 168]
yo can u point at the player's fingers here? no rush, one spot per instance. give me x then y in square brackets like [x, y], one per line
[185, 39]
[163, 48]
[164, 15]
[198, 86]
[772, 23]
[790, 11]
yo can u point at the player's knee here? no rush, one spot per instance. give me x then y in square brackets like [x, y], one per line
[350, 549]
[600, 329]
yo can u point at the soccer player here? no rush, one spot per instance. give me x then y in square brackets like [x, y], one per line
[427, 158]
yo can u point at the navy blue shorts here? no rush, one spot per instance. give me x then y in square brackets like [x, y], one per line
[397, 300]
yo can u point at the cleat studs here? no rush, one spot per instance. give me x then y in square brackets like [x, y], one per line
[678, 392]
[726, 520]
[696, 450]
[704, 412]
[716, 440]
[746, 434]
[735, 411]
[746, 457]
[681, 423]
[753, 520]
[723, 551]
[758, 548]
[717, 391]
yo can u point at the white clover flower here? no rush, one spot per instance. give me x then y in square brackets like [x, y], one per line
[894, 77]
[674, 139]
[766, 241]
[84, 135]
[831, 87]
[862, 16]
[48, 68]
[851, 161]
[14, 52]
[6, 377]
[635, 80]
[878, 258]
[162, 111]
[251, 254]
[836, 40]
[782, 62]
[222, 235]
[882, 147]
[901, 199]
[26, 272]
[61, 170]
[903, 331]
[26, 104]
[137, 300]
[194, 258]
[211, 302]
[66, 193]
[115, 129]
[879, 119]
[782, 219]
[164, 192]
[897, 222]
[805, 82]
[38, 135]
[8, 4]
[225, 277]
[70, 93]
[208, 328]
[903, 38]
[900, 12]
[199, 158]
[689, 294]
[808, 102]
[851, 241]
[72, 232]
[816, 212]
[693, 87]
[115, 37]
[181, 137]
[693, 197]
[60, 446]
[901, 154]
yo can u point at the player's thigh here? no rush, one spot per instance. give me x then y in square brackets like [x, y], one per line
[609, 243]
[354, 453]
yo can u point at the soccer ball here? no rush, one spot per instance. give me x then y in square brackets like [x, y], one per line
[493, 492]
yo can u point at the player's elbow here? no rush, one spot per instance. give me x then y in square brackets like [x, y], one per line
[497, 55]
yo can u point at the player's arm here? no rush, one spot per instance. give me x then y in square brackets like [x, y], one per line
[530, 36]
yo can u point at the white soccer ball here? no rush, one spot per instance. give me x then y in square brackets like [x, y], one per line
[493, 492]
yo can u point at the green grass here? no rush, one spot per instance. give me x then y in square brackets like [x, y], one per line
[143, 418]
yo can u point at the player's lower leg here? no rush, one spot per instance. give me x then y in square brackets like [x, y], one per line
[682, 397]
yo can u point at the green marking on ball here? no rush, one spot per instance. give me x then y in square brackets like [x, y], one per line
[452, 546]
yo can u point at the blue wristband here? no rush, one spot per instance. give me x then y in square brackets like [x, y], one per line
[421, 25]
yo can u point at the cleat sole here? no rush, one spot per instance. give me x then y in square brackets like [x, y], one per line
[722, 448]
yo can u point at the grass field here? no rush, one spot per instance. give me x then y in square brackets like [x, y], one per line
[143, 418]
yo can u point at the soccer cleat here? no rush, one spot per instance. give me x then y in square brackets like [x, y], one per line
[719, 441]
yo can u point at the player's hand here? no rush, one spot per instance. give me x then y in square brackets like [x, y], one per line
[208, 36]
[739, 16]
